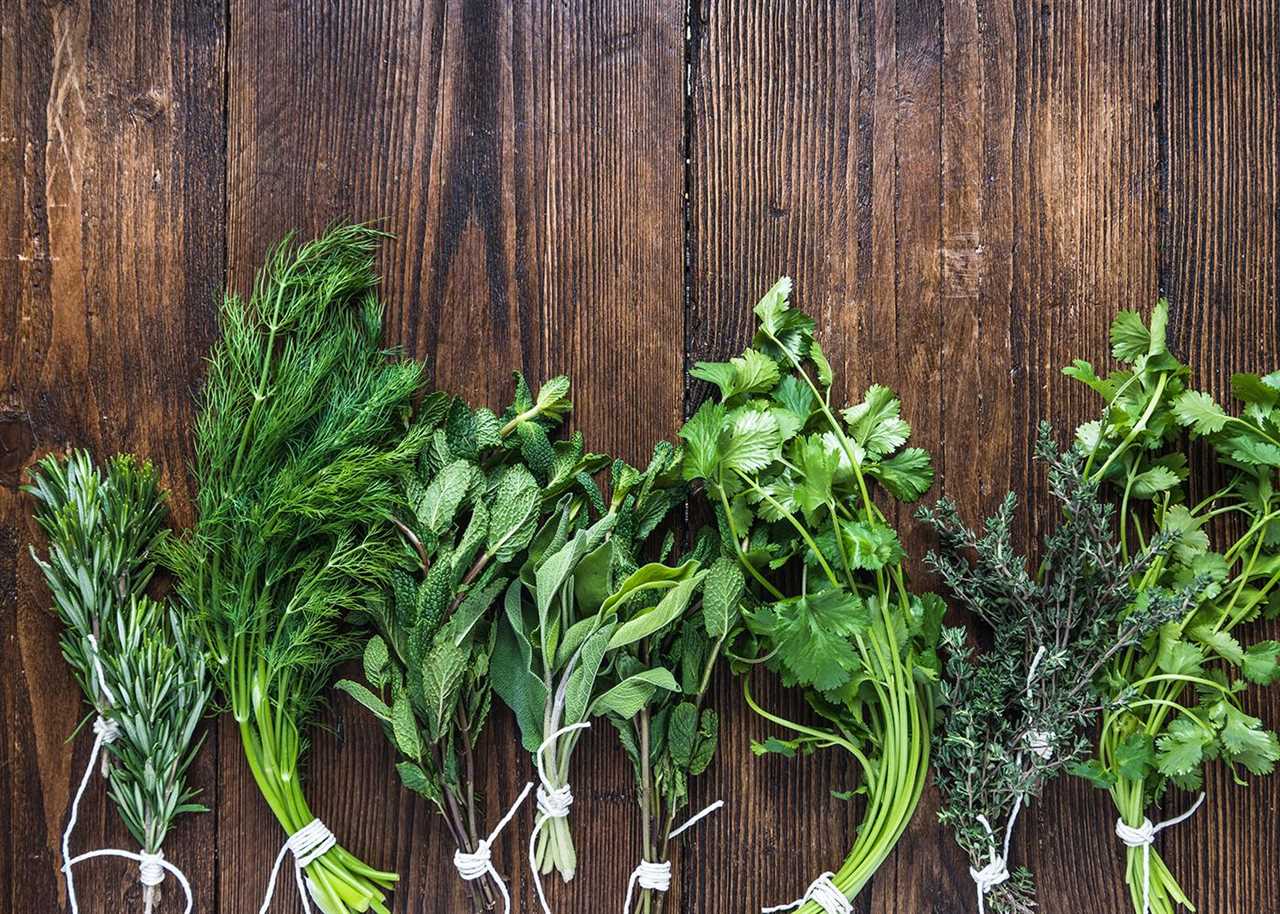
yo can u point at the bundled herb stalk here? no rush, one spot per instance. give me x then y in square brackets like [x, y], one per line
[300, 444]
[1018, 713]
[140, 669]
[673, 737]
[482, 487]
[1184, 686]
[579, 600]
[791, 483]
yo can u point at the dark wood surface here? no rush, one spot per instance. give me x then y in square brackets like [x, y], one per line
[964, 192]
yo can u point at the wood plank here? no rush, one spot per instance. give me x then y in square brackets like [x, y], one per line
[528, 162]
[1220, 267]
[111, 158]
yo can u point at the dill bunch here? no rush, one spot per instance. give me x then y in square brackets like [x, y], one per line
[1018, 713]
[300, 441]
[140, 668]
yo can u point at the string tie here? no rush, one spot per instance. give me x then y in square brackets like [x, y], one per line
[151, 868]
[308, 844]
[1144, 836]
[553, 803]
[1040, 742]
[997, 869]
[656, 876]
[822, 892]
[479, 863]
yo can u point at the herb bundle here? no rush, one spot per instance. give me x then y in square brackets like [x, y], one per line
[482, 487]
[673, 737]
[579, 600]
[1016, 714]
[1184, 686]
[300, 443]
[829, 609]
[142, 671]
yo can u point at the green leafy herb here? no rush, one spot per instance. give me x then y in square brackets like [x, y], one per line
[140, 668]
[1018, 713]
[580, 600]
[1186, 684]
[300, 442]
[469, 513]
[827, 605]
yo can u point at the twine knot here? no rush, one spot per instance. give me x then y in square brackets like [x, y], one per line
[991, 875]
[106, 729]
[1144, 836]
[475, 864]
[653, 876]
[151, 868]
[1040, 742]
[308, 844]
[1136, 836]
[554, 804]
[822, 892]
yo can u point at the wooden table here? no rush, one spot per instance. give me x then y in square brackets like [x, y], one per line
[965, 195]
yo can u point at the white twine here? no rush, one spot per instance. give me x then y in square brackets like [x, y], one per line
[151, 870]
[822, 892]
[553, 803]
[479, 863]
[110, 698]
[997, 869]
[307, 844]
[1144, 836]
[657, 876]
[1040, 742]
[105, 731]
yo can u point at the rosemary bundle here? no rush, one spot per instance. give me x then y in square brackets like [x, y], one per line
[828, 607]
[300, 443]
[482, 487]
[141, 670]
[1184, 686]
[1015, 715]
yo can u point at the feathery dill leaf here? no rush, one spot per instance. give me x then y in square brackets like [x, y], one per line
[140, 668]
[300, 440]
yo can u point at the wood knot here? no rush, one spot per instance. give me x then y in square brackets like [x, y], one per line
[149, 105]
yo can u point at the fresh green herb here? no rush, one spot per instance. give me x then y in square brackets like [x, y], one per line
[673, 737]
[140, 669]
[300, 442]
[829, 609]
[579, 600]
[1187, 682]
[483, 486]
[1017, 714]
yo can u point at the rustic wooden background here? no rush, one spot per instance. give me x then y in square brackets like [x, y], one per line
[965, 193]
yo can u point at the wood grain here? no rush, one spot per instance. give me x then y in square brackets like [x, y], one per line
[965, 192]
[111, 160]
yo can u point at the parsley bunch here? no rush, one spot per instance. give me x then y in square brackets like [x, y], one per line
[1187, 682]
[1017, 713]
[829, 609]
[300, 442]
[580, 599]
[482, 487]
[140, 668]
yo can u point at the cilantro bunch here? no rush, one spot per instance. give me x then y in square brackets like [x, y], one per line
[140, 668]
[300, 443]
[791, 477]
[1018, 713]
[1185, 685]
[482, 486]
[673, 737]
[582, 597]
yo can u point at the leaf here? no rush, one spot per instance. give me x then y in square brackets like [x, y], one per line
[773, 306]
[511, 671]
[1243, 734]
[1152, 481]
[582, 680]
[1129, 336]
[817, 465]
[1200, 412]
[626, 698]
[875, 423]
[417, 780]
[513, 517]
[1221, 643]
[404, 727]
[1093, 772]
[820, 362]
[1250, 388]
[722, 592]
[553, 399]
[1249, 450]
[907, 474]
[375, 661]
[753, 441]
[656, 618]
[444, 494]
[1135, 756]
[682, 732]
[366, 698]
[701, 435]
[751, 372]
[593, 578]
[1261, 662]
[1180, 750]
